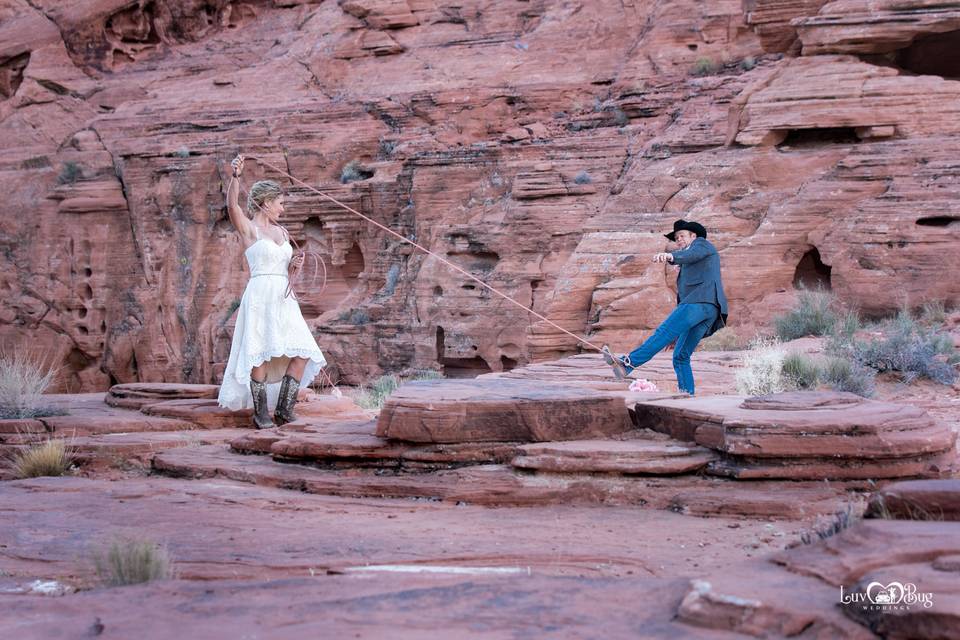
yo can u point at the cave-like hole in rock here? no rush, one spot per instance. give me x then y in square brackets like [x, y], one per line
[937, 54]
[821, 136]
[508, 363]
[11, 74]
[938, 221]
[811, 272]
[458, 367]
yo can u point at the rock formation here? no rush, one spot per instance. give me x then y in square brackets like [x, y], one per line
[542, 146]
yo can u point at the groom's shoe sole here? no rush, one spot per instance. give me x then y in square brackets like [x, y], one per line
[618, 371]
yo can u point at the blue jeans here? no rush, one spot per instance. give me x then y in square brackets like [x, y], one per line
[686, 325]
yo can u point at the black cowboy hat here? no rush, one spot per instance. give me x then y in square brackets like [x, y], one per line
[683, 225]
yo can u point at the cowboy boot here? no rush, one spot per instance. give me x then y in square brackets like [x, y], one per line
[288, 397]
[261, 414]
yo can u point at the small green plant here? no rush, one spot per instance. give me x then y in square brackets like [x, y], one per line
[761, 372]
[47, 458]
[800, 371]
[747, 63]
[24, 378]
[70, 173]
[131, 561]
[583, 178]
[705, 67]
[353, 171]
[815, 314]
[182, 152]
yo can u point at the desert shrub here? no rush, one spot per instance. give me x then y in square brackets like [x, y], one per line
[841, 374]
[354, 316]
[705, 67]
[933, 313]
[372, 398]
[130, 561]
[725, 339]
[910, 349]
[583, 178]
[70, 173]
[24, 377]
[747, 63]
[762, 369]
[815, 314]
[48, 458]
[800, 371]
[354, 172]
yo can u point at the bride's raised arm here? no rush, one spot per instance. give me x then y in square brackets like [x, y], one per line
[239, 219]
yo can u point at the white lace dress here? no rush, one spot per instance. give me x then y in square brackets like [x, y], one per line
[269, 327]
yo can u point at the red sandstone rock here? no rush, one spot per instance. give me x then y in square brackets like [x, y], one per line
[808, 435]
[136, 395]
[606, 456]
[499, 411]
[917, 500]
[861, 27]
[497, 485]
[202, 413]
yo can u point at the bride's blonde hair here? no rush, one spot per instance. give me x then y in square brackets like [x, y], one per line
[261, 192]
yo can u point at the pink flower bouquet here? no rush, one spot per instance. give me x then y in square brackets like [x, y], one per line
[642, 385]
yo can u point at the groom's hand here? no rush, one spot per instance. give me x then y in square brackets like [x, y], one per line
[663, 257]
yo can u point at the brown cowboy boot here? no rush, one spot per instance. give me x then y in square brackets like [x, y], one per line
[288, 397]
[261, 414]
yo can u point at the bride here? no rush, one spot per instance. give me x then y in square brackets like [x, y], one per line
[273, 352]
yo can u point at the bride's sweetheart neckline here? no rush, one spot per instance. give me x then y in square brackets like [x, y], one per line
[273, 242]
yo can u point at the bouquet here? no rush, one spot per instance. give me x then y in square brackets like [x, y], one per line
[642, 385]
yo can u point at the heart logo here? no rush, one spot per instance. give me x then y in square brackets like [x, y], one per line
[889, 594]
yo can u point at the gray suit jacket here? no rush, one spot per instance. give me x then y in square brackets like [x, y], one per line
[699, 279]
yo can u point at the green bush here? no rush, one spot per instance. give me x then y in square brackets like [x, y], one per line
[841, 374]
[801, 371]
[910, 349]
[705, 67]
[70, 173]
[372, 398]
[815, 314]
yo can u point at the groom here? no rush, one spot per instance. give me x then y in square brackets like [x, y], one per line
[701, 306]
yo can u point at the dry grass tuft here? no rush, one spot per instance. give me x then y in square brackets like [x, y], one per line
[131, 561]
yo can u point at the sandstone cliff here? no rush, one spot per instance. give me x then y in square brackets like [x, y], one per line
[543, 145]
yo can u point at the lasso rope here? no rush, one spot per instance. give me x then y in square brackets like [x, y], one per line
[453, 266]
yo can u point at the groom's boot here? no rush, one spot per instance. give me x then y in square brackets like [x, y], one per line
[288, 397]
[261, 414]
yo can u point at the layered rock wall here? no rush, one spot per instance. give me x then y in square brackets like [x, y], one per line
[543, 146]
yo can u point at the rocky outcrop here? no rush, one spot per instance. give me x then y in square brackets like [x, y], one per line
[917, 500]
[810, 435]
[488, 133]
[446, 411]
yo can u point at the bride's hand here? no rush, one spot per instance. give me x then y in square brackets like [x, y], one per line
[237, 165]
[298, 260]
